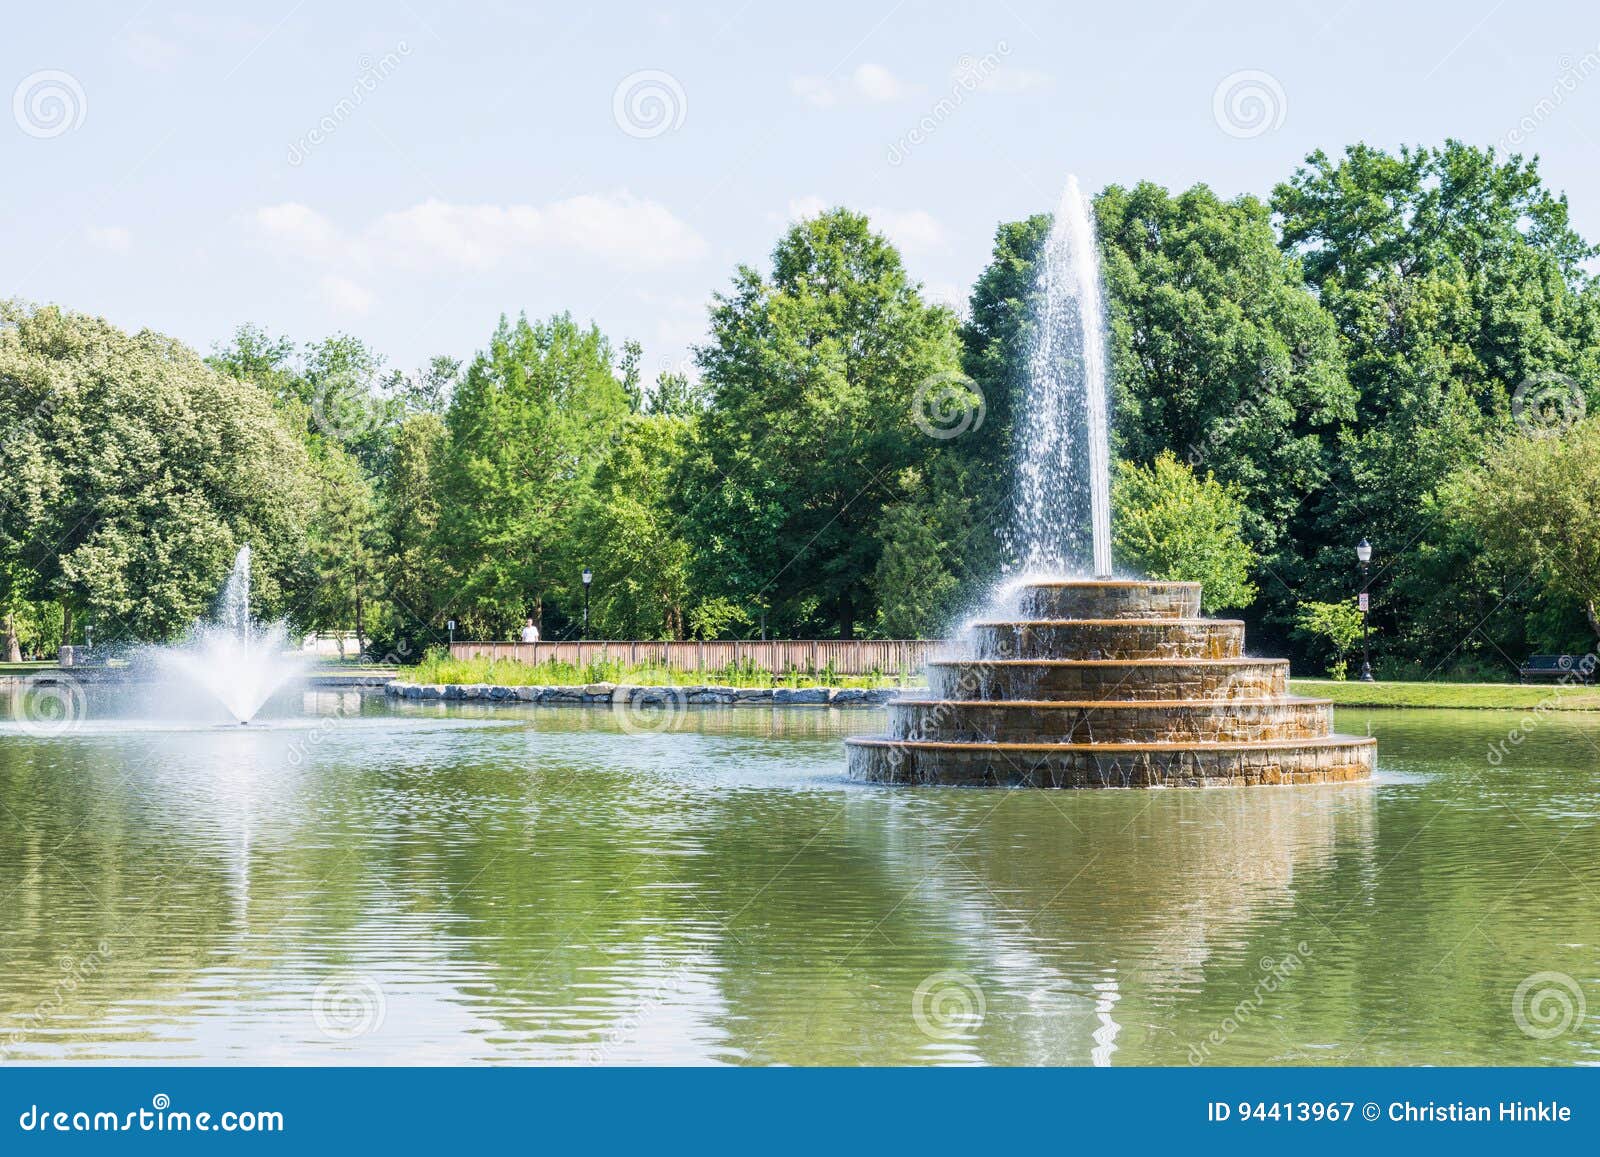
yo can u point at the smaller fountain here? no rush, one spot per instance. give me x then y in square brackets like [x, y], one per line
[233, 658]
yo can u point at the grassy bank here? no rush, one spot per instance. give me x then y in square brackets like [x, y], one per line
[506, 672]
[1506, 696]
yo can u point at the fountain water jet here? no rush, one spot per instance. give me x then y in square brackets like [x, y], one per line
[1064, 465]
[1076, 682]
[233, 658]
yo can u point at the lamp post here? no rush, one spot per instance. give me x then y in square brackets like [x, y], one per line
[1364, 556]
[588, 577]
[88, 637]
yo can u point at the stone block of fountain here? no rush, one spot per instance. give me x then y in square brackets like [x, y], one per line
[1108, 683]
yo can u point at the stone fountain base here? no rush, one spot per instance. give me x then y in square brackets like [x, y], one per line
[1110, 684]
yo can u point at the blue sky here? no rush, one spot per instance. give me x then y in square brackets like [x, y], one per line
[407, 171]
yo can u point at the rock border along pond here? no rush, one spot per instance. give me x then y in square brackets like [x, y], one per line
[594, 693]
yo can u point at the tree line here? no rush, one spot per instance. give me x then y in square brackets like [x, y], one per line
[1397, 346]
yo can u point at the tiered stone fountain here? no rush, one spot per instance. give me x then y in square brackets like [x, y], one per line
[1096, 682]
[1103, 683]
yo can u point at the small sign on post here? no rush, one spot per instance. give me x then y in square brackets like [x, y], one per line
[1362, 597]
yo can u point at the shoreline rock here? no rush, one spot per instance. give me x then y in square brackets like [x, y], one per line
[701, 695]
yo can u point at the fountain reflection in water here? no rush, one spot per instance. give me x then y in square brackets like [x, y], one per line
[1064, 458]
[233, 658]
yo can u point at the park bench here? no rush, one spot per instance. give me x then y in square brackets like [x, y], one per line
[1575, 668]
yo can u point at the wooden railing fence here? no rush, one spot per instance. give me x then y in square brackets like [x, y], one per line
[845, 657]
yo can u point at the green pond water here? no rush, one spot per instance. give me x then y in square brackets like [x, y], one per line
[362, 882]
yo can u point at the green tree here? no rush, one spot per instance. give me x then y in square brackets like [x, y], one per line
[1534, 503]
[923, 572]
[1456, 280]
[1220, 354]
[428, 390]
[996, 340]
[628, 534]
[345, 546]
[1171, 524]
[1339, 625]
[814, 376]
[628, 368]
[676, 396]
[135, 472]
[413, 570]
[531, 419]
[254, 355]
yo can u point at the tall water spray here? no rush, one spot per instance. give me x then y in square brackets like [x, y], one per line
[1064, 459]
[233, 658]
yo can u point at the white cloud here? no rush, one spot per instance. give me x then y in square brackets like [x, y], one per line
[877, 84]
[299, 225]
[345, 296]
[618, 229]
[869, 84]
[912, 230]
[801, 208]
[111, 238]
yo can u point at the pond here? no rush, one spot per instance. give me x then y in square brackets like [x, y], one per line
[368, 882]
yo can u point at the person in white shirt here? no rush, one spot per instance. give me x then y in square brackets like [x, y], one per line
[530, 633]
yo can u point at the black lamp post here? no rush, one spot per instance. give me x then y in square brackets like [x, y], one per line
[588, 577]
[1364, 556]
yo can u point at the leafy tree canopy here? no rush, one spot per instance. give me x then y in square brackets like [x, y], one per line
[135, 472]
[813, 374]
[533, 416]
[1171, 524]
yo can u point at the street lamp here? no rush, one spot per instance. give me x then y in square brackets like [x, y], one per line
[88, 637]
[588, 577]
[1364, 556]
